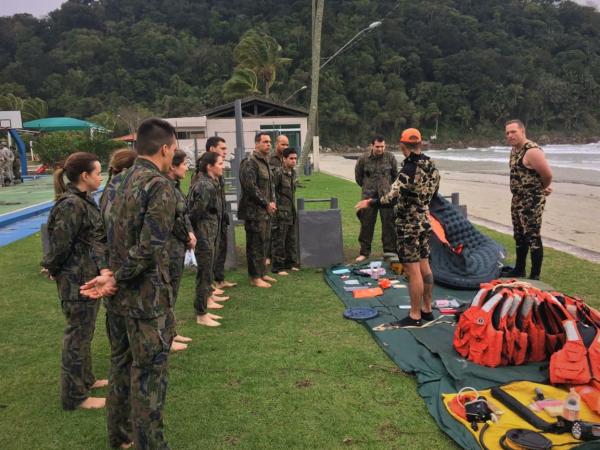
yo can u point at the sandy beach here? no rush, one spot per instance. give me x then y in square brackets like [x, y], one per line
[572, 214]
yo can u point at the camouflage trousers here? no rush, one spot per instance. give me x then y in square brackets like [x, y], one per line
[219, 270]
[368, 219]
[257, 235]
[206, 249]
[76, 377]
[412, 237]
[526, 214]
[283, 245]
[176, 260]
[138, 379]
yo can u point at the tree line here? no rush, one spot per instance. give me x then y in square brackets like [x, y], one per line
[466, 64]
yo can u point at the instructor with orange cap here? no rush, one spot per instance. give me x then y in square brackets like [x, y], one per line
[416, 185]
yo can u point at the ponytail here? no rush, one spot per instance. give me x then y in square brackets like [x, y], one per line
[59, 182]
[74, 166]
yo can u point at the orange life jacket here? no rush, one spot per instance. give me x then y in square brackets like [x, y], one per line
[570, 364]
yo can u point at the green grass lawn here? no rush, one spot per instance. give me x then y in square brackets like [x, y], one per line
[284, 371]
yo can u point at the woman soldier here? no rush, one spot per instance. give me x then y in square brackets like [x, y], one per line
[182, 238]
[120, 160]
[77, 253]
[205, 208]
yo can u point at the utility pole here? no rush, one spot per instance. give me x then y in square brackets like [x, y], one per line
[317, 22]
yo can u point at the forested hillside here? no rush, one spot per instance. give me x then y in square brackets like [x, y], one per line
[471, 64]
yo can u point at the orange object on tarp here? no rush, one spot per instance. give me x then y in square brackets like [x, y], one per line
[590, 394]
[367, 293]
[439, 231]
[385, 283]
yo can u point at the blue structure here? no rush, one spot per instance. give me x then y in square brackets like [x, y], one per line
[22, 150]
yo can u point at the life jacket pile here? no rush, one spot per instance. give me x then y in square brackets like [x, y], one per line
[511, 323]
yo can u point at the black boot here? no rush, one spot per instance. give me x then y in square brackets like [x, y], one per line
[519, 270]
[537, 255]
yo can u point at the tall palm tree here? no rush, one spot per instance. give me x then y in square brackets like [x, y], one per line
[259, 52]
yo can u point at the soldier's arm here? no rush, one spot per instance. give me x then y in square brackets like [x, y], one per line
[394, 164]
[198, 201]
[67, 220]
[248, 174]
[156, 228]
[99, 245]
[359, 171]
[536, 160]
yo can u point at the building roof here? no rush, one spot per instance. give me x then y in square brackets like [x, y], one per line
[60, 124]
[256, 107]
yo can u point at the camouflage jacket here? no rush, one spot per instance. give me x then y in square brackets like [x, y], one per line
[275, 161]
[256, 180]
[523, 180]
[284, 181]
[182, 226]
[139, 223]
[77, 242]
[6, 156]
[375, 174]
[205, 207]
[417, 183]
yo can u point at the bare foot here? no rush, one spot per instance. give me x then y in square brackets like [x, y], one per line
[225, 284]
[360, 258]
[183, 339]
[213, 316]
[216, 298]
[177, 346]
[269, 279]
[258, 282]
[207, 321]
[93, 403]
[217, 291]
[267, 261]
[213, 305]
[126, 445]
[295, 269]
[283, 272]
[99, 384]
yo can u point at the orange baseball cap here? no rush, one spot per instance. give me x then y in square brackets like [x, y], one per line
[410, 136]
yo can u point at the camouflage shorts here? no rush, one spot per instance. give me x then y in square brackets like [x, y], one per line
[412, 238]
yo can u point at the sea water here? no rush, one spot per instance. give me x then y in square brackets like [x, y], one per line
[571, 156]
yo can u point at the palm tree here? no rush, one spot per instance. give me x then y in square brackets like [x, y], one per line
[259, 52]
[242, 83]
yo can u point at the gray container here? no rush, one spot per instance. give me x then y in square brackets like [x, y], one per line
[320, 239]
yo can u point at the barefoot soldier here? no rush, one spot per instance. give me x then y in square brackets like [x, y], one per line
[205, 207]
[140, 222]
[77, 253]
[256, 207]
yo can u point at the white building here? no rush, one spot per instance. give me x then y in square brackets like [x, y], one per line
[258, 115]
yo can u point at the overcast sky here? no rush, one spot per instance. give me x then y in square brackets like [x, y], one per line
[40, 8]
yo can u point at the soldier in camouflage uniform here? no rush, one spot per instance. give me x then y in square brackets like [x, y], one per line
[6, 163]
[417, 183]
[374, 172]
[256, 207]
[77, 253]
[530, 178]
[283, 230]
[218, 145]
[139, 223]
[205, 208]
[281, 143]
[181, 239]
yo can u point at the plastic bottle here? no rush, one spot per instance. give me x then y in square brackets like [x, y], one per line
[571, 406]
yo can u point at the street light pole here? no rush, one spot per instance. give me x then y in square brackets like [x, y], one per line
[315, 73]
[371, 27]
[295, 92]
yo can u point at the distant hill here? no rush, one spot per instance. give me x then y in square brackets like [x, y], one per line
[469, 64]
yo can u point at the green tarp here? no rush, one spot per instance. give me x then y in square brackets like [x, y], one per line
[428, 353]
